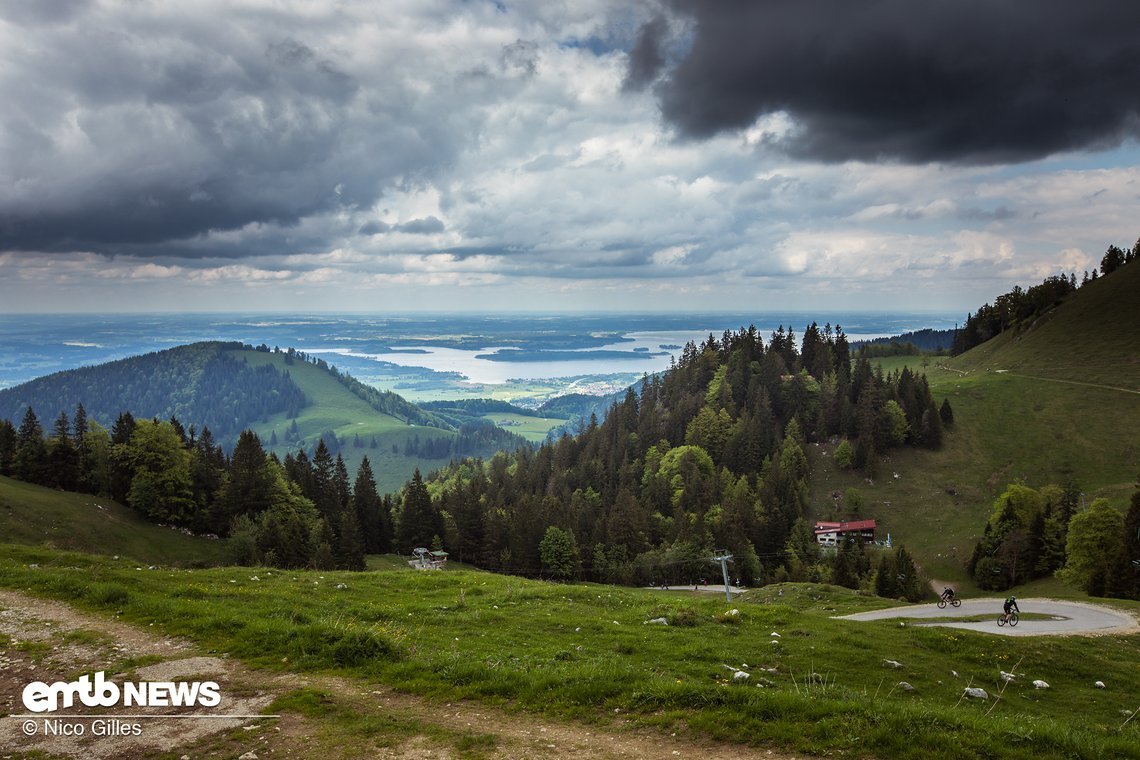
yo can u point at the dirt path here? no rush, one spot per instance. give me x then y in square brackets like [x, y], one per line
[48, 641]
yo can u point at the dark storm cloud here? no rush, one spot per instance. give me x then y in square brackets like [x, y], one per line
[646, 57]
[124, 129]
[968, 81]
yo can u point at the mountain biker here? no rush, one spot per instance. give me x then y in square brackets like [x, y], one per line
[948, 594]
[1010, 606]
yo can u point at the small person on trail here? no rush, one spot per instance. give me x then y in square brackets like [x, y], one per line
[948, 594]
[1010, 606]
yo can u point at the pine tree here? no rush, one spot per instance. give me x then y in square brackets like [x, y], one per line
[31, 460]
[417, 522]
[886, 578]
[375, 525]
[946, 413]
[907, 576]
[248, 485]
[7, 447]
[63, 458]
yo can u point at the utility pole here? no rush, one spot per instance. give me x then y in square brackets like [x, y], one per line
[723, 557]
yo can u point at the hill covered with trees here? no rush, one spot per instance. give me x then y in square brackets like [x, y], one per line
[713, 453]
[207, 383]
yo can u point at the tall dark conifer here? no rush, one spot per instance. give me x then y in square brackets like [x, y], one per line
[7, 447]
[63, 458]
[375, 525]
[31, 461]
[417, 525]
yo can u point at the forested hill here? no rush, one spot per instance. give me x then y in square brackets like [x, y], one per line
[210, 385]
[710, 454]
[201, 383]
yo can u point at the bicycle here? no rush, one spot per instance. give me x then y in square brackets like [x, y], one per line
[955, 602]
[1011, 618]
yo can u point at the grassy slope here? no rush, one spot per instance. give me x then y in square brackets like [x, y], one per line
[1034, 422]
[585, 651]
[533, 429]
[1091, 338]
[35, 515]
[333, 407]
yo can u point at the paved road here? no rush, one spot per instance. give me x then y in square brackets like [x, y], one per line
[1066, 618]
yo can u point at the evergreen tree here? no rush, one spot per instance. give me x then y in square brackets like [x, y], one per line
[121, 472]
[886, 578]
[946, 413]
[349, 549]
[31, 459]
[906, 574]
[63, 457]
[417, 522]
[247, 487]
[325, 493]
[375, 523]
[7, 448]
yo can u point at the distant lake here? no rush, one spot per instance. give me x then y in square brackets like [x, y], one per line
[36, 345]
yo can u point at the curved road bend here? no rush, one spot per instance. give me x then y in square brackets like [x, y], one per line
[1066, 618]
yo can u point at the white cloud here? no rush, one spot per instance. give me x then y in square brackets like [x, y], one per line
[487, 154]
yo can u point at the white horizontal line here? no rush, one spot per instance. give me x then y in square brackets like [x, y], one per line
[216, 717]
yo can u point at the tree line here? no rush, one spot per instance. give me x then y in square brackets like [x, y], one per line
[1018, 308]
[303, 512]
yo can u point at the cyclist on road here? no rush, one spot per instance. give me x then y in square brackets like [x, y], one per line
[948, 594]
[1010, 606]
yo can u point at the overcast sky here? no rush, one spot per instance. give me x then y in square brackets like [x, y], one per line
[591, 155]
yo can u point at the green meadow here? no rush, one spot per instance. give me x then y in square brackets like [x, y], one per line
[590, 653]
[31, 514]
[533, 429]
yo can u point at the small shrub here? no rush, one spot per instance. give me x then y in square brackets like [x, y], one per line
[108, 595]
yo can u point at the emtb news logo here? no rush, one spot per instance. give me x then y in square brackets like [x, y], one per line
[99, 692]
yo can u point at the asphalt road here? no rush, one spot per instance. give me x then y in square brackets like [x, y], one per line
[1065, 618]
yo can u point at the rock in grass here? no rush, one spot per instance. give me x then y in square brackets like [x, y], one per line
[740, 676]
[892, 664]
[1100, 685]
[1039, 684]
[656, 621]
[905, 686]
[975, 693]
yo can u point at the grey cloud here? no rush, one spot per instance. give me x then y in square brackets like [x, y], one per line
[426, 226]
[126, 130]
[521, 57]
[999, 214]
[646, 58]
[374, 228]
[42, 11]
[972, 81]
